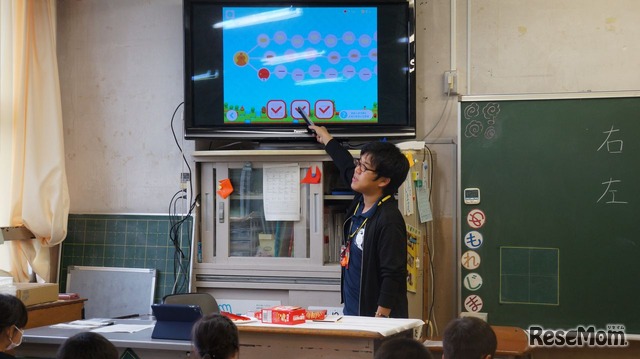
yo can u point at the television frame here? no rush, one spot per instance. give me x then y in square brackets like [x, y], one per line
[404, 129]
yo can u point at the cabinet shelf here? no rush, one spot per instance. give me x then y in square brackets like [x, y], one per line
[238, 197]
[339, 197]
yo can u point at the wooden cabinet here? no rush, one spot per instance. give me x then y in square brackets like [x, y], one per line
[55, 312]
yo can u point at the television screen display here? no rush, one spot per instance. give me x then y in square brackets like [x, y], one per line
[253, 69]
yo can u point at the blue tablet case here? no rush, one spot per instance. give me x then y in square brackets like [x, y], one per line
[174, 321]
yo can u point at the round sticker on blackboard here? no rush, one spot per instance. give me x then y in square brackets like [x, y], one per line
[473, 239]
[470, 260]
[472, 281]
[473, 303]
[476, 219]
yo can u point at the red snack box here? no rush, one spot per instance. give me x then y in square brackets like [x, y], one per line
[284, 314]
[258, 314]
[316, 314]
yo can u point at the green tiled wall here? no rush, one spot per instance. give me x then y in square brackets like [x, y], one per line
[124, 241]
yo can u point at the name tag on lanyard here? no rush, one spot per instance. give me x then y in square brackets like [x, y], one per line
[360, 238]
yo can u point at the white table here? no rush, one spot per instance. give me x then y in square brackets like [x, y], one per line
[351, 337]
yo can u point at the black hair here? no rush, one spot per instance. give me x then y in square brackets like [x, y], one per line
[87, 345]
[12, 312]
[215, 336]
[468, 338]
[389, 162]
[402, 348]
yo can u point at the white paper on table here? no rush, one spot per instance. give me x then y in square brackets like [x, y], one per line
[72, 326]
[281, 192]
[84, 324]
[94, 321]
[329, 318]
[123, 328]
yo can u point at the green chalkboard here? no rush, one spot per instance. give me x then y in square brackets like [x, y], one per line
[559, 211]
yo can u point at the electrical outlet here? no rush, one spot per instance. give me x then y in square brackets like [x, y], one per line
[451, 82]
[185, 178]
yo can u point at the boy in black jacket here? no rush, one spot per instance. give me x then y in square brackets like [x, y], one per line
[374, 254]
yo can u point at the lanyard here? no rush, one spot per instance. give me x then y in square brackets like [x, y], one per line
[344, 251]
[355, 211]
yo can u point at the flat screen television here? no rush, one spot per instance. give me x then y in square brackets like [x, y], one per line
[249, 66]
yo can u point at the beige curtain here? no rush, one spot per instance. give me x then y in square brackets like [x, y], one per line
[38, 193]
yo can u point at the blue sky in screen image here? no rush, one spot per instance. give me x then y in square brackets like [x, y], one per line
[345, 40]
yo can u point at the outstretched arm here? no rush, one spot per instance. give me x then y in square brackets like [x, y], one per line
[322, 134]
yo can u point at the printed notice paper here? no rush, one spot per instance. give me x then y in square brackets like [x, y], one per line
[281, 192]
[423, 196]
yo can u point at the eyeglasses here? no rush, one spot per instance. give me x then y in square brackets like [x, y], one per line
[361, 166]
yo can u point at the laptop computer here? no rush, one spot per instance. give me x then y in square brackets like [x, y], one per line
[174, 321]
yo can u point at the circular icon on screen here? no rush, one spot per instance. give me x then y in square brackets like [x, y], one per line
[232, 115]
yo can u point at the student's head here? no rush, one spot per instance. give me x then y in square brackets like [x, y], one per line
[402, 348]
[13, 319]
[215, 336]
[469, 338]
[387, 161]
[87, 345]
